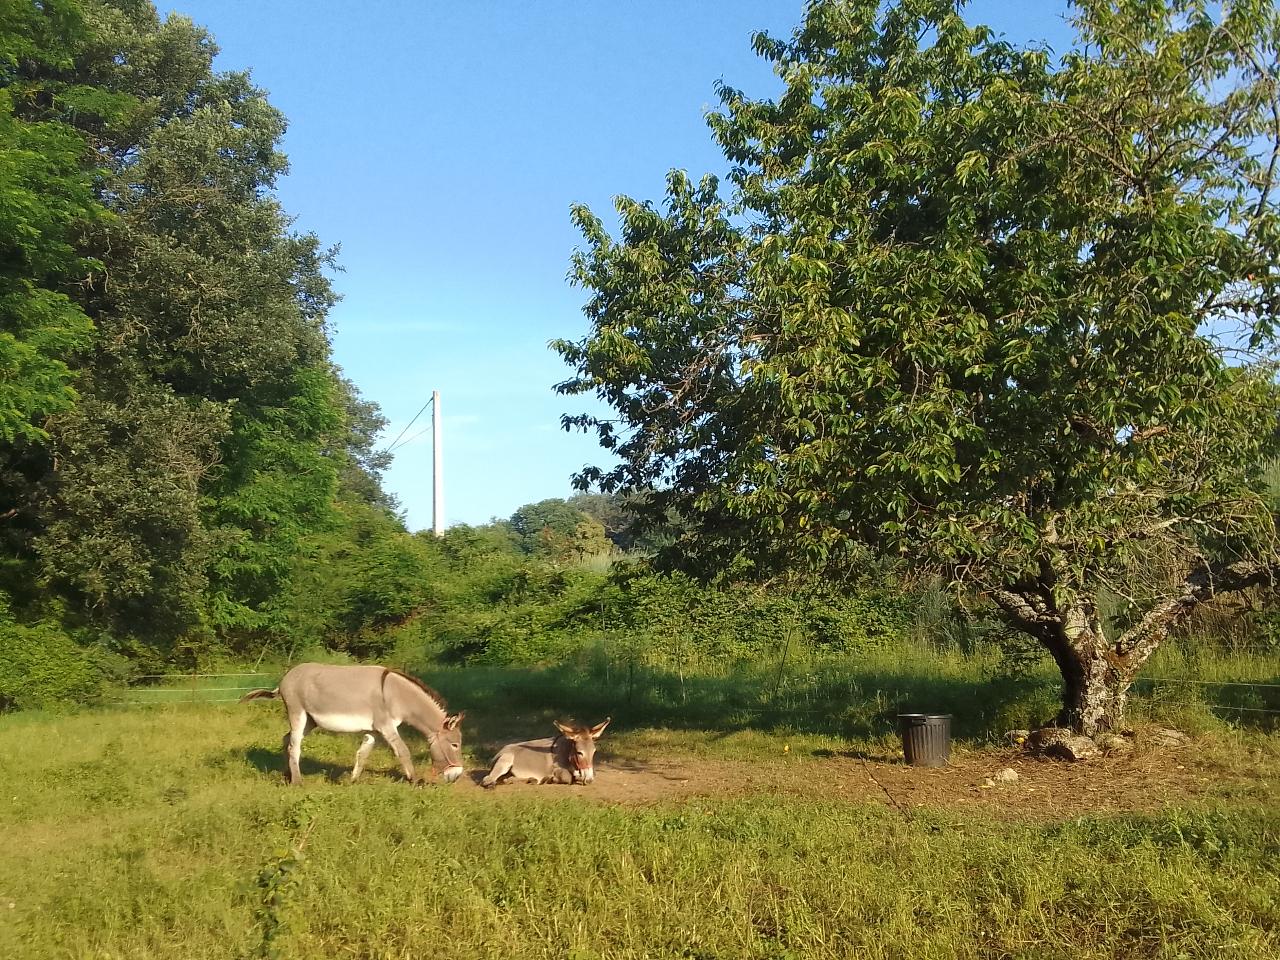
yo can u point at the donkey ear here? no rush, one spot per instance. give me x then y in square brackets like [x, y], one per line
[451, 722]
[564, 728]
[599, 728]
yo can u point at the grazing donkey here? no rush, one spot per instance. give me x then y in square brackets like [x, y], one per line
[356, 699]
[567, 758]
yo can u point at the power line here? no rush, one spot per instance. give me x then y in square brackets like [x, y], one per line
[409, 440]
[407, 426]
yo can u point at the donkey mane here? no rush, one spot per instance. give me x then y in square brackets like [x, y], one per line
[439, 700]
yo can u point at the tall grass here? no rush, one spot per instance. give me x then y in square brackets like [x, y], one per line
[858, 696]
[1198, 688]
[802, 691]
[167, 833]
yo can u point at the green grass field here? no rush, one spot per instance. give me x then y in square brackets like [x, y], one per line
[167, 832]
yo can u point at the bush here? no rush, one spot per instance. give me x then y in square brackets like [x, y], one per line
[40, 666]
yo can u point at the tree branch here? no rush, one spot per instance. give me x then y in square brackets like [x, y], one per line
[1203, 583]
[1027, 612]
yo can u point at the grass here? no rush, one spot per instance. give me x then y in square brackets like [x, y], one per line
[1193, 688]
[165, 832]
[195, 688]
[818, 699]
[813, 701]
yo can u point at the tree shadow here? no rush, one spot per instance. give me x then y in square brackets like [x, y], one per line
[508, 704]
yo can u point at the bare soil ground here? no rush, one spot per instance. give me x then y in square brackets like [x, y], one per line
[1044, 790]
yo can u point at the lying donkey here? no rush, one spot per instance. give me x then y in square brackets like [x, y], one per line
[567, 758]
[357, 699]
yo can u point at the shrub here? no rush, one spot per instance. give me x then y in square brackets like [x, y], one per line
[41, 666]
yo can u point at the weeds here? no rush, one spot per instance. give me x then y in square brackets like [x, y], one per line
[166, 832]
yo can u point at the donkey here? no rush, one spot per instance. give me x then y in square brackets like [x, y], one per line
[358, 699]
[567, 758]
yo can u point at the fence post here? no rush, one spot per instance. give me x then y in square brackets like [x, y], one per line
[782, 664]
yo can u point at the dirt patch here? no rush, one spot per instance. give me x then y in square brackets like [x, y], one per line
[1044, 789]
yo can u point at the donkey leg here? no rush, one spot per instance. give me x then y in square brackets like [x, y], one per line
[392, 736]
[299, 724]
[502, 765]
[361, 754]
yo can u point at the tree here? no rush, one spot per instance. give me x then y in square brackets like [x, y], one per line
[557, 529]
[46, 196]
[362, 462]
[611, 512]
[209, 434]
[1003, 317]
[222, 423]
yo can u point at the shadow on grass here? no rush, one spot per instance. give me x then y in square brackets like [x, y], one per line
[509, 703]
[872, 756]
[273, 762]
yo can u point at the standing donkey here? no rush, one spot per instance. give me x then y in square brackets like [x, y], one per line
[567, 758]
[359, 699]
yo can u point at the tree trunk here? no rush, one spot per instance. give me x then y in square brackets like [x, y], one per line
[1096, 674]
[1095, 686]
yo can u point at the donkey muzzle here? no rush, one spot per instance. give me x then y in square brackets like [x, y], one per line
[451, 774]
[584, 775]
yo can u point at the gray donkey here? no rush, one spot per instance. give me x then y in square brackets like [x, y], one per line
[567, 758]
[358, 699]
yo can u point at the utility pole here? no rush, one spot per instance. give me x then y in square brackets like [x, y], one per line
[437, 468]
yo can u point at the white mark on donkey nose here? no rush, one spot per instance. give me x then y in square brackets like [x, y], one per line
[587, 775]
[452, 774]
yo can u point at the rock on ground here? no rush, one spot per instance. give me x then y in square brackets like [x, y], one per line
[1061, 744]
[1111, 743]
[1166, 737]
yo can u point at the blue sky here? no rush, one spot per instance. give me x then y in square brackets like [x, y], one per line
[441, 145]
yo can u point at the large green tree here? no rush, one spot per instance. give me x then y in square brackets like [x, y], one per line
[205, 444]
[148, 261]
[559, 530]
[47, 205]
[46, 197]
[1001, 315]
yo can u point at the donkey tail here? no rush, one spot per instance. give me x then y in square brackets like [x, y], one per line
[261, 695]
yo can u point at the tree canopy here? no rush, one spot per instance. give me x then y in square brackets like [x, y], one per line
[1000, 315]
[175, 440]
[46, 198]
[559, 529]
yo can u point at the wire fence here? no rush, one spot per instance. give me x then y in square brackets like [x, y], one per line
[1262, 697]
[164, 688]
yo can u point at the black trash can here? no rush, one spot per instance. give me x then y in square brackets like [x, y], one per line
[926, 738]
